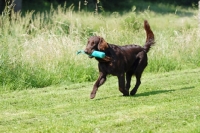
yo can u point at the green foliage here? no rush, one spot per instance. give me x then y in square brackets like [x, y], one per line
[180, 2]
[132, 21]
[39, 49]
[107, 5]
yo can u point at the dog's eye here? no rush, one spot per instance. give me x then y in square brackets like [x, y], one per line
[92, 43]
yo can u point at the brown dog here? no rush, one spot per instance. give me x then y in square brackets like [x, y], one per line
[129, 59]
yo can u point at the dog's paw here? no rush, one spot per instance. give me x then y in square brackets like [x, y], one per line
[126, 93]
[92, 95]
[133, 92]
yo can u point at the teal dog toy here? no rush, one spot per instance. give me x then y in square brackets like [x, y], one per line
[97, 54]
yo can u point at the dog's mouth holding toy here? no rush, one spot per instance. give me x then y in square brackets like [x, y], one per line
[90, 56]
[97, 54]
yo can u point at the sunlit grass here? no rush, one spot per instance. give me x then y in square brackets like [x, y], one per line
[165, 102]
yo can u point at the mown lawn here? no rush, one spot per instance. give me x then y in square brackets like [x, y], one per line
[165, 102]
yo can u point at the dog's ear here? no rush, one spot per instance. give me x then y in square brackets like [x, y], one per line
[103, 45]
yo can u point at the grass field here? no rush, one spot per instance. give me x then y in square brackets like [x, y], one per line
[165, 103]
[45, 86]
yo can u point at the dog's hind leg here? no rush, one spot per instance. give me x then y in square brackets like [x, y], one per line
[138, 82]
[139, 70]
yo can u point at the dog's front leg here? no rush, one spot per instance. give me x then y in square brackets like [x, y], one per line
[121, 81]
[98, 83]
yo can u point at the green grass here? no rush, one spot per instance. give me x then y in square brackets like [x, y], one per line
[39, 50]
[165, 102]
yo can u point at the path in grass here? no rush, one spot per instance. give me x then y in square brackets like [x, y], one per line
[165, 102]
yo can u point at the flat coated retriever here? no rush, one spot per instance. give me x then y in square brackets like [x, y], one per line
[121, 61]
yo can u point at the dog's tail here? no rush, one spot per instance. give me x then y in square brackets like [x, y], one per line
[150, 37]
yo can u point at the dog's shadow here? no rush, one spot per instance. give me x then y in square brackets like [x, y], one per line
[160, 91]
[155, 92]
[152, 93]
[187, 88]
[139, 94]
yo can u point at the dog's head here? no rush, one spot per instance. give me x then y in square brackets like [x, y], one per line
[96, 43]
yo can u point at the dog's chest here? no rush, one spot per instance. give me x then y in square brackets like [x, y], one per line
[113, 67]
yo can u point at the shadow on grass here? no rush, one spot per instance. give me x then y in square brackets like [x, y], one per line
[160, 91]
[152, 93]
[139, 94]
[187, 88]
[147, 93]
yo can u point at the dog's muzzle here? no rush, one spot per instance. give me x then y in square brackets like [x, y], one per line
[88, 53]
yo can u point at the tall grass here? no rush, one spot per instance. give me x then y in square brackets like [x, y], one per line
[39, 49]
